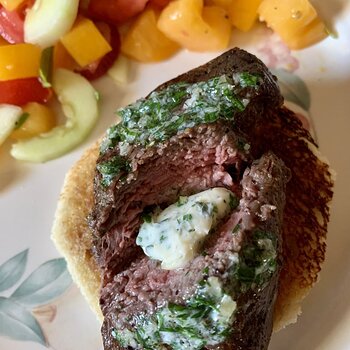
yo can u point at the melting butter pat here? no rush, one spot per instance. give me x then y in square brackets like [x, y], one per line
[174, 235]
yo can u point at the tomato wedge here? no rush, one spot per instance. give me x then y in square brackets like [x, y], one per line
[100, 67]
[21, 91]
[12, 23]
[11, 26]
[115, 11]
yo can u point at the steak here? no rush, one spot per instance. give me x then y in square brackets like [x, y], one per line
[243, 253]
[144, 286]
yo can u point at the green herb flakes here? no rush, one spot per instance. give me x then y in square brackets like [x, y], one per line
[199, 322]
[177, 107]
[234, 202]
[21, 120]
[111, 168]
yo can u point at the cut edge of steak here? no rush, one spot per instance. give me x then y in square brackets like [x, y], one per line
[202, 157]
[144, 287]
[206, 156]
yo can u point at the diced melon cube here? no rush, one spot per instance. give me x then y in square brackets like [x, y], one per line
[243, 13]
[194, 26]
[39, 119]
[145, 42]
[309, 35]
[85, 43]
[296, 21]
[19, 61]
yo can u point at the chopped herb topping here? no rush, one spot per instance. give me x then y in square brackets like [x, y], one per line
[111, 168]
[236, 228]
[207, 208]
[147, 217]
[206, 270]
[179, 106]
[257, 262]
[234, 202]
[46, 67]
[187, 217]
[181, 201]
[248, 80]
[205, 319]
[21, 120]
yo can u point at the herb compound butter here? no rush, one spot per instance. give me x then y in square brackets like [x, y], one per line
[174, 235]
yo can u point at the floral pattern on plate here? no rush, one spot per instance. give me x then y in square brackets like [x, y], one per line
[20, 312]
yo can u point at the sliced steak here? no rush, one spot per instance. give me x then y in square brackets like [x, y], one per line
[144, 287]
[220, 153]
[200, 158]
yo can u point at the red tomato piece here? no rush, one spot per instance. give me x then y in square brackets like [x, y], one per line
[21, 91]
[100, 67]
[115, 11]
[11, 26]
[12, 22]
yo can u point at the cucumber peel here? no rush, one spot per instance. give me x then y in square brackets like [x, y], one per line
[79, 105]
[48, 20]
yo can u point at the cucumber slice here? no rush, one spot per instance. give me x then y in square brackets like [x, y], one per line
[79, 104]
[49, 20]
[9, 115]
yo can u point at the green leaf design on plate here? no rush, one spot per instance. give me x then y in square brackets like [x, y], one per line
[12, 270]
[46, 283]
[18, 323]
[293, 88]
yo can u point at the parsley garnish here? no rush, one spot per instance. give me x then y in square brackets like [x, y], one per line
[111, 168]
[21, 120]
[234, 202]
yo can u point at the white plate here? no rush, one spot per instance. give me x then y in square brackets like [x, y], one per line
[28, 196]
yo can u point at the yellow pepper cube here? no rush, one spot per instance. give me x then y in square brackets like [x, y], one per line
[85, 43]
[243, 13]
[11, 5]
[19, 61]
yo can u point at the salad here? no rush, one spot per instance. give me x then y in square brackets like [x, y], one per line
[53, 49]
